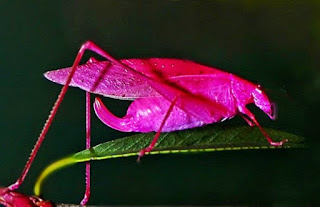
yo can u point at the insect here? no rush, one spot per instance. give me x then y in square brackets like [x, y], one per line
[167, 94]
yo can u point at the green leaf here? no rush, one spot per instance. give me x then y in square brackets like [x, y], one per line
[205, 139]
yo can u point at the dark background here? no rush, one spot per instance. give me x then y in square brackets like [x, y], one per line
[275, 43]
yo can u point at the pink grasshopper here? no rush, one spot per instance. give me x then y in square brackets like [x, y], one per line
[167, 94]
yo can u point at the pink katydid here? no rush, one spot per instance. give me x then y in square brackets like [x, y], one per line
[166, 98]
[157, 83]
[168, 94]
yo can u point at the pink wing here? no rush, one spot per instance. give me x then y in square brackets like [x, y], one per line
[116, 82]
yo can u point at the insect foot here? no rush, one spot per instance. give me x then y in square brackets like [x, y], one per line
[279, 143]
[143, 152]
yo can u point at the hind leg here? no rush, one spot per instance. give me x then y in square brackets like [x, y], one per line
[156, 137]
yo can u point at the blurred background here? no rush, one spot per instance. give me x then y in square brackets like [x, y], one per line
[274, 43]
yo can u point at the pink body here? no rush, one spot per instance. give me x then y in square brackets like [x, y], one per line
[168, 94]
[223, 94]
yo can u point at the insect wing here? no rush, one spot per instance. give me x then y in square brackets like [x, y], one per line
[117, 82]
[104, 78]
[161, 70]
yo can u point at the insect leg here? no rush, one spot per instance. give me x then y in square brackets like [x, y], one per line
[156, 137]
[48, 122]
[247, 120]
[247, 112]
[88, 140]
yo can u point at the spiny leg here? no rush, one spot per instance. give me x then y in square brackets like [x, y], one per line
[88, 133]
[156, 137]
[88, 145]
[91, 46]
[246, 111]
[48, 122]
